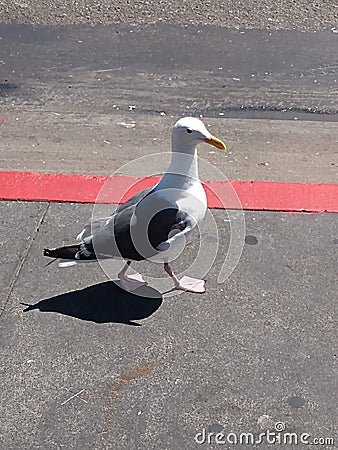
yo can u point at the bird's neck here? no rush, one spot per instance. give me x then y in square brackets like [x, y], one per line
[184, 161]
[182, 171]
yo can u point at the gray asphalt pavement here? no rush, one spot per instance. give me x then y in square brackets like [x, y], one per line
[168, 68]
[89, 366]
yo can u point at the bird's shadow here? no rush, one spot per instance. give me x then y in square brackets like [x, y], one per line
[102, 303]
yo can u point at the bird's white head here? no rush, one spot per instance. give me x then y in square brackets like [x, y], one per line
[188, 132]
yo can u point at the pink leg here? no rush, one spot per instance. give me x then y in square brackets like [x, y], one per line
[186, 283]
[131, 282]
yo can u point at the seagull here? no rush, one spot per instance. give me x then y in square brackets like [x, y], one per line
[154, 223]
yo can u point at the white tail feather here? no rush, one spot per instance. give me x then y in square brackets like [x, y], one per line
[67, 263]
[80, 235]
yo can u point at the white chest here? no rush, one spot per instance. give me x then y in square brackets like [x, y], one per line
[192, 199]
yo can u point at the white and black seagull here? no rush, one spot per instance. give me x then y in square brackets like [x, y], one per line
[154, 223]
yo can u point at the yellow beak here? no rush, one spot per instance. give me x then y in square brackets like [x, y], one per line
[216, 143]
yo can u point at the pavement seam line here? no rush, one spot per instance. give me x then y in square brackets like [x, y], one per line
[23, 259]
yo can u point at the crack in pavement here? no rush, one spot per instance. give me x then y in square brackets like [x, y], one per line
[22, 260]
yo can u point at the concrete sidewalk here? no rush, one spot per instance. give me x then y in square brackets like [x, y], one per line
[78, 373]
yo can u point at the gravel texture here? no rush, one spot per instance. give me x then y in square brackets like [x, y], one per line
[274, 14]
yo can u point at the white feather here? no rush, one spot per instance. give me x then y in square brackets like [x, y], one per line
[66, 263]
[80, 235]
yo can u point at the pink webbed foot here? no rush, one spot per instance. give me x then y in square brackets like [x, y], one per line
[131, 282]
[190, 284]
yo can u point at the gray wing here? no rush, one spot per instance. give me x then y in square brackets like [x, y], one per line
[137, 228]
[96, 225]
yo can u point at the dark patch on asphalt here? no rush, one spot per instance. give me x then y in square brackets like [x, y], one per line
[273, 113]
[251, 240]
[335, 241]
[7, 88]
[296, 402]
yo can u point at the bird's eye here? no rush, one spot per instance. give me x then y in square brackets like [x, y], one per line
[189, 130]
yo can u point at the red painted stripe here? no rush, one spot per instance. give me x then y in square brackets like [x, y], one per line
[252, 195]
